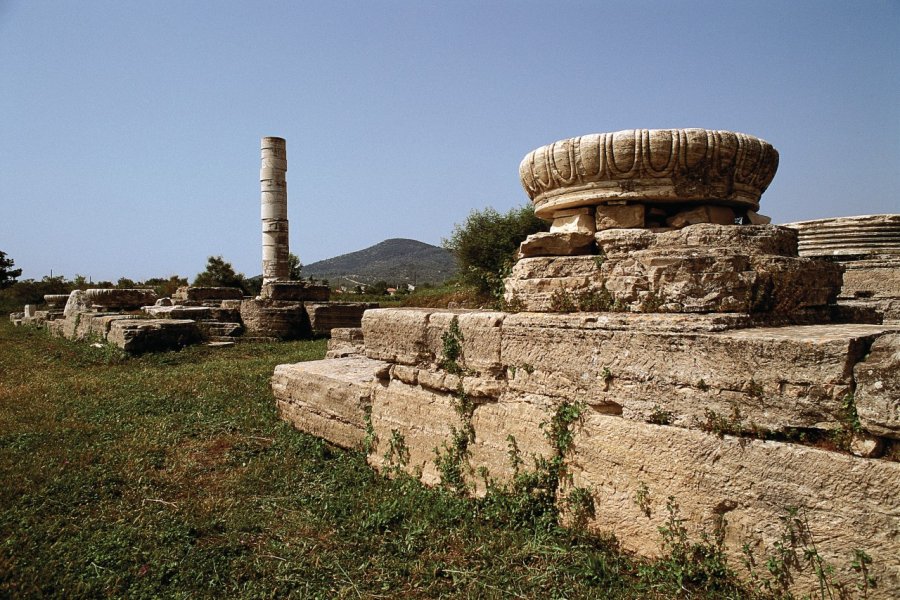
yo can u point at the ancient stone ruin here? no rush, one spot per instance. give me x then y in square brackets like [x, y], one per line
[868, 249]
[693, 354]
[137, 321]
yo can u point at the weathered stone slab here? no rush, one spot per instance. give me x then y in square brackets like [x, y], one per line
[328, 398]
[557, 244]
[137, 336]
[118, 299]
[412, 336]
[179, 312]
[776, 378]
[878, 387]
[422, 419]
[75, 304]
[873, 278]
[847, 502]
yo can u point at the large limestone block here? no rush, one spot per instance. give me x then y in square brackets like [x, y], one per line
[56, 301]
[417, 420]
[137, 336]
[328, 398]
[878, 388]
[560, 243]
[396, 335]
[871, 278]
[775, 378]
[295, 291]
[659, 165]
[849, 503]
[746, 239]
[412, 336]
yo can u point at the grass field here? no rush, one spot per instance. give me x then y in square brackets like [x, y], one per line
[171, 476]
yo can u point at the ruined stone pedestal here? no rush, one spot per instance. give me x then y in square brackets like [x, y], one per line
[701, 268]
[686, 333]
[867, 248]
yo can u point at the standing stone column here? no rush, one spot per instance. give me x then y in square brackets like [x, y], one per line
[273, 197]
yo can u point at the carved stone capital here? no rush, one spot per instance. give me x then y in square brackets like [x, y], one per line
[649, 166]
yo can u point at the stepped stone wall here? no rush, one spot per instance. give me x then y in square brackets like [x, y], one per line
[657, 390]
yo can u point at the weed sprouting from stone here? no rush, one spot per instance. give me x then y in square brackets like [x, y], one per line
[397, 454]
[452, 340]
[642, 499]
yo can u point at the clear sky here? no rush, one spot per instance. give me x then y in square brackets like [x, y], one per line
[129, 131]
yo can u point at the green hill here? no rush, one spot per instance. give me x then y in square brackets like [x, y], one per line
[395, 261]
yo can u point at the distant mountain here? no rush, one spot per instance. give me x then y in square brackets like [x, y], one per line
[395, 261]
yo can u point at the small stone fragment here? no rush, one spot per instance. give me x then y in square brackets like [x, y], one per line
[556, 244]
[866, 446]
[718, 215]
[578, 223]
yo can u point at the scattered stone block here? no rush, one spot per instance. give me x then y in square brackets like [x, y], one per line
[137, 336]
[118, 299]
[627, 216]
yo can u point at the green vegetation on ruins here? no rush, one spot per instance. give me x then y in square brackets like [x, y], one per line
[172, 475]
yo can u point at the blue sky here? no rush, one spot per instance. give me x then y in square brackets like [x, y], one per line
[129, 131]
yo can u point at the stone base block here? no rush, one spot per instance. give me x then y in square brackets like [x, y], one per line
[328, 398]
[698, 269]
[878, 388]
[275, 319]
[137, 336]
[294, 291]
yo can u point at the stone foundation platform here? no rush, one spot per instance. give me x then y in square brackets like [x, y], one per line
[709, 409]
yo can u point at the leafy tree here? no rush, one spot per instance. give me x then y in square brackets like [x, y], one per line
[125, 283]
[296, 266]
[165, 286]
[8, 275]
[379, 288]
[486, 242]
[220, 273]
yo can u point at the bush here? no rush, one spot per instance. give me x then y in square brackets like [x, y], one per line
[486, 242]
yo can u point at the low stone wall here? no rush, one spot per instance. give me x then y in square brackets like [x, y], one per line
[737, 423]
